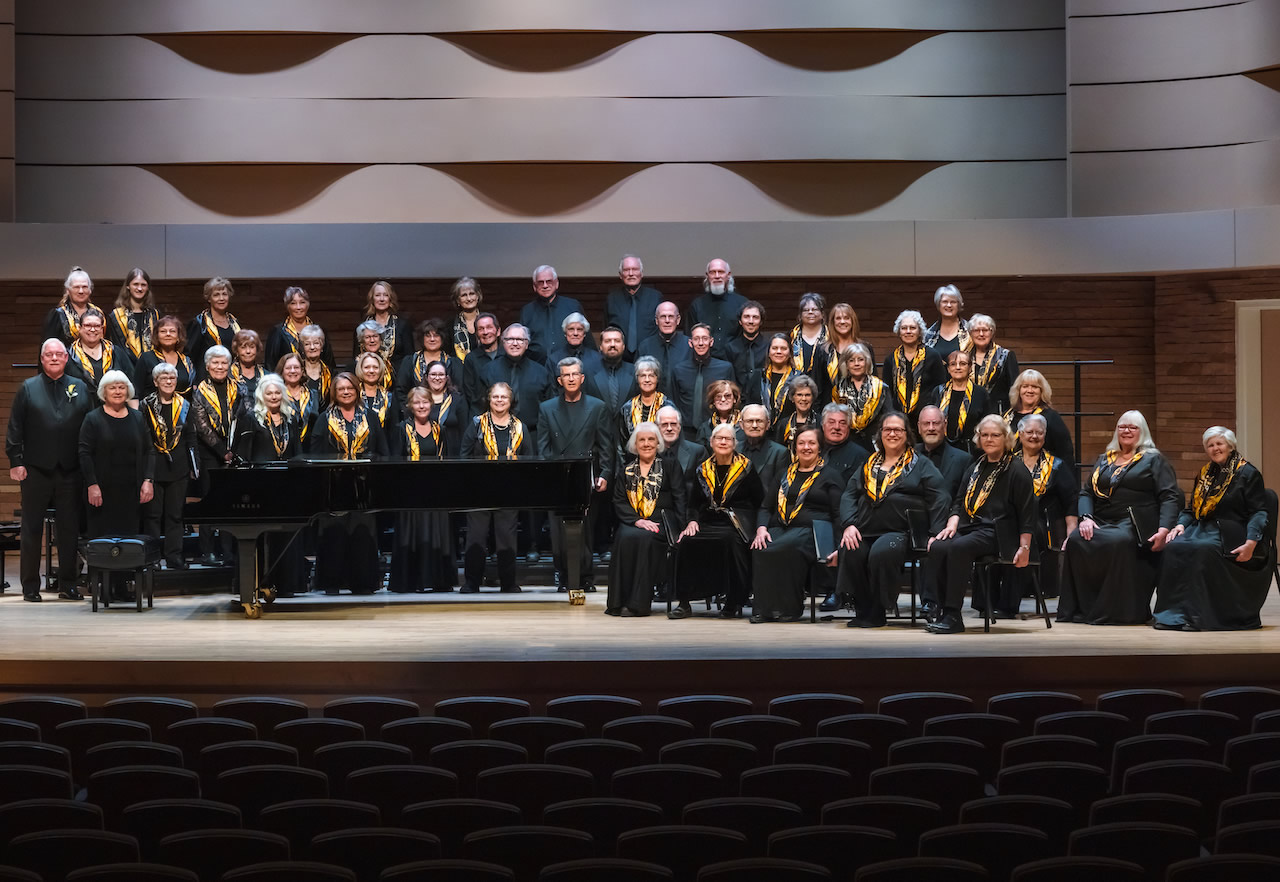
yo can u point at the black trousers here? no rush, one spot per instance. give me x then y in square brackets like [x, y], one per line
[61, 490]
[163, 517]
[587, 572]
[872, 573]
[504, 538]
[950, 566]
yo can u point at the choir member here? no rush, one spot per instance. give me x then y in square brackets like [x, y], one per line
[170, 338]
[649, 499]
[725, 494]
[575, 342]
[691, 378]
[951, 462]
[613, 380]
[724, 404]
[1216, 569]
[382, 306]
[686, 453]
[629, 305]
[91, 357]
[307, 403]
[448, 408]
[950, 332]
[375, 397]
[767, 456]
[1031, 393]
[63, 321]
[215, 326]
[644, 406]
[843, 331]
[475, 366]
[422, 557]
[809, 352]
[271, 432]
[347, 552]
[865, 394]
[875, 529]
[748, 350]
[1127, 508]
[543, 317]
[316, 369]
[41, 443]
[431, 348]
[246, 350]
[530, 381]
[670, 346]
[912, 368]
[217, 405]
[784, 549]
[994, 367]
[1053, 480]
[842, 453]
[467, 297]
[996, 487]
[369, 339]
[286, 336]
[802, 395]
[495, 434]
[719, 304]
[574, 425]
[132, 322]
[173, 435]
[962, 401]
[775, 380]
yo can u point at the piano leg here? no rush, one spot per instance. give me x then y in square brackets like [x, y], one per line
[573, 544]
[247, 569]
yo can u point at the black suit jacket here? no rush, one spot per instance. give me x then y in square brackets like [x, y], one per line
[624, 377]
[617, 311]
[684, 378]
[577, 430]
[531, 382]
[687, 454]
[44, 422]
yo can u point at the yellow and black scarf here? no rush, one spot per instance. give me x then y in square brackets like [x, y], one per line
[71, 321]
[643, 490]
[788, 514]
[777, 395]
[350, 438]
[1043, 472]
[379, 404]
[798, 360]
[966, 401]
[411, 439]
[1212, 484]
[985, 374]
[975, 494]
[139, 340]
[1108, 463]
[237, 373]
[293, 333]
[279, 436]
[461, 337]
[211, 330]
[78, 353]
[793, 426]
[325, 381]
[877, 489]
[388, 344]
[167, 422]
[907, 376]
[421, 363]
[707, 477]
[934, 333]
[443, 415]
[489, 437]
[864, 403]
[1014, 421]
[209, 392]
[303, 404]
[640, 413]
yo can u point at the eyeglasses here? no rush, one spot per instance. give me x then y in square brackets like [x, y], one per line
[1127, 429]
[544, 283]
[520, 340]
[574, 376]
[890, 430]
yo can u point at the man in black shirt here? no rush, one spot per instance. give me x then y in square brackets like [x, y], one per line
[544, 315]
[669, 345]
[838, 449]
[684, 452]
[530, 381]
[719, 305]
[767, 456]
[690, 379]
[474, 385]
[748, 350]
[630, 304]
[613, 380]
[952, 462]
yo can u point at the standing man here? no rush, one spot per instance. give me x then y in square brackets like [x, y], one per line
[613, 380]
[42, 444]
[474, 368]
[530, 382]
[689, 379]
[669, 345]
[719, 305]
[747, 350]
[950, 460]
[630, 304]
[544, 315]
[575, 342]
[576, 426]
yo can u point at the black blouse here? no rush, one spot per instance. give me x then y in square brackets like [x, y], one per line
[821, 503]
[921, 488]
[1011, 496]
[1148, 486]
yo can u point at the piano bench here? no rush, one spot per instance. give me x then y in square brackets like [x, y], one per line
[139, 555]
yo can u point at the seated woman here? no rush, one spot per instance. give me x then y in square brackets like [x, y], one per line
[494, 434]
[431, 348]
[382, 307]
[874, 519]
[802, 395]
[962, 401]
[649, 490]
[347, 554]
[1110, 570]
[376, 398]
[286, 336]
[270, 432]
[724, 403]
[422, 557]
[306, 402]
[215, 325]
[1031, 393]
[173, 435]
[1216, 569]
[994, 367]
[783, 551]
[949, 333]
[246, 349]
[724, 500]
[912, 369]
[644, 407]
[865, 394]
[996, 488]
[169, 341]
[1057, 495]
[132, 323]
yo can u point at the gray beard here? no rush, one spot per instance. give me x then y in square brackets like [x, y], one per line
[715, 288]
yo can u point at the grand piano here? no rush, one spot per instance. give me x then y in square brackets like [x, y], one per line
[250, 500]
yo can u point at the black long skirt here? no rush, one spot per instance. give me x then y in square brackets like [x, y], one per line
[347, 554]
[1107, 580]
[1202, 590]
[422, 558]
[780, 572]
[638, 564]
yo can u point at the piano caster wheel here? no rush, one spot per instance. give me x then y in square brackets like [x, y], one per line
[267, 595]
[252, 610]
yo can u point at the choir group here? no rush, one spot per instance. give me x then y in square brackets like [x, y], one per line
[730, 462]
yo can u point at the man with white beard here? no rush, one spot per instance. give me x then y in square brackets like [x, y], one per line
[719, 305]
[951, 461]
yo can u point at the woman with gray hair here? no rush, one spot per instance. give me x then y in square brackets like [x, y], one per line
[912, 369]
[994, 367]
[1215, 572]
[949, 333]
[648, 499]
[865, 394]
[1128, 505]
[173, 435]
[802, 400]
[63, 321]
[116, 459]
[644, 407]
[286, 336]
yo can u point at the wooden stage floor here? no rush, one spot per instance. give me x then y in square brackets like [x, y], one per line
[535, 644]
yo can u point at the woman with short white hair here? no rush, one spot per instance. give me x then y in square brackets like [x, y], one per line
[949, 333]
[1128, 505]
[912, 369]
[63, 321]
[994, 367]
[117, 460]
[173, 435]
[1215, 572]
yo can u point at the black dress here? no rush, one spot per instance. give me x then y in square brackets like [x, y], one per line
[173, 435]
[283, 561]
[1201, 588]
[639, 560]
[780, 571]
[866, 404]
[116, 454]
[961, 342]
[453, 417]
[482, 439]
[144, 385]
[962, 411]
[717, 560]
[135, 331]
[877, 503]
[347, 555]
[422, 558]
[203, 333]
[996, 373]
[1109, 579]
[1057, 497]
[909, 380]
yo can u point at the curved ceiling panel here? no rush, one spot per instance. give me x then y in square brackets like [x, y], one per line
[1134, 7]
[551, 130]
[393, 16]
[472, 194]
[656, 65]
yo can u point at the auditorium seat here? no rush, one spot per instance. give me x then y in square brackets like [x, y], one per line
[1139, 749]
[599, 756]
[763, 869]
[445, 870]
[371, 711]
[703, 710]
[1215, 727]
[762, 731]
[757, 817]
[33, 815]
[1077, 783]
[289, 871]
[152, 821]
[683, 849]
[808, 786]
[1151, 846]
[998, 847]
[46, 711]
[727, 756]
[526, 849]
[1265, 778]
[301, 820]
[1053, 748]
[453, 819]
[17, 874]
[35, 753]
[1159, 808]
[593, 711]
[1245, 702]
[156, 711]
[114, 754]
[991, 730]
[950, 749]
[1244, 752]
[1103, 728]
[604, 817]
[1225, 868]
[1209, 783]
[19, 730]
[194, 735]
[1267, 721]
[265, 712]
[132, 872]
[467, 759]
[339, 760]
[420, 734]
[922, 869]
[1253, 837]
[839, 753]
[536, 734]
[1138, 704]
[950, 786]
[54, 853]
[309, 733]
[391, 788]
[877, 731]
[370, 850]
[650, 732]
[906, 816]
[1027, 707]
[218, 758]
[1080, 867]
[916, 707]
[841, 848]
[671, 786]
[210, 853]
[253, 788]
[114, 790]
[533, 786]
[611, 869]
[78, 736]
[1249, 807]
[482, 711]
[1054, 817]
[811, 708]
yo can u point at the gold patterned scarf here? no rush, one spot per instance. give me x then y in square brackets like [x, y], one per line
[934, 333]
[294, 333]
[279, 436]
[237, 373]
[878, 489]
[1212, 484]
[907, 375]
[411, 439]
[488, 435]
[461, 337]
[975, 495]
[71, 320]
[640, 413]
[1011, 418]
[350, 438]
[138, 340]
[379, 404]
[78, 353]
[788, 514]
[777, 394]
[1043, 471]
[443, 415]
[798, 360]
[167, 421]
[965, 402]
[326, 378]
[209, 392]
[707, 477]
[303, 404]
[421, 363]
[793, 427]
[642, 490]
[211, 329]
[1108, 462]
[864, 402]
[986, 373]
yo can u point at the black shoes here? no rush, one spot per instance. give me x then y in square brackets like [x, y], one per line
[830, 603]
[947, 623]
[682, 611]
[512, 589]
[73, 594]
[32, 598]
[469, 589]
[629, 613]
[865, 622]
[731, 612]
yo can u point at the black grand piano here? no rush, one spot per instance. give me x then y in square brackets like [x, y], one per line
[250, 500]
